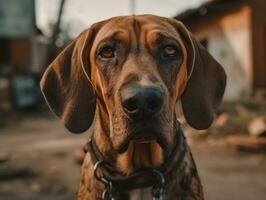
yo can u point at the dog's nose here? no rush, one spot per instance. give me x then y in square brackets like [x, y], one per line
[141, 101]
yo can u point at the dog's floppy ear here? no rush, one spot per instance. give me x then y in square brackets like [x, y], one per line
[67, 89]
[206, 83]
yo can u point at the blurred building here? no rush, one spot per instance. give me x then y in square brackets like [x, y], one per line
[234, 32]
[19, 55]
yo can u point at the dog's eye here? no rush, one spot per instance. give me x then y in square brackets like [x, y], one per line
[107, 52]
[170, 51]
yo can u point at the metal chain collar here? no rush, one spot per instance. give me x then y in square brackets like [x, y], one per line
[108, 193]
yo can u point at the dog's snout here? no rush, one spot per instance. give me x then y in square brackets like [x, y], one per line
[141, 101]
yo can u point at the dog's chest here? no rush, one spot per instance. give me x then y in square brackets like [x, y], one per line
[140, 194]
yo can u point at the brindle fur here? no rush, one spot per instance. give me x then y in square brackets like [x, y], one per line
[138, 41]
[185, 184]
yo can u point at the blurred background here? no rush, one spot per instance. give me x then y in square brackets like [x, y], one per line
[39, 159]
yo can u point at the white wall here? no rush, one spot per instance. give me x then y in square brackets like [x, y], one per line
[230, 44]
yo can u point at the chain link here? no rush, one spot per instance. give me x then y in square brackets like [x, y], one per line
[158, 189]
[108, 192]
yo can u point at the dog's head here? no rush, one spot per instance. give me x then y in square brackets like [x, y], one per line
[135, 69]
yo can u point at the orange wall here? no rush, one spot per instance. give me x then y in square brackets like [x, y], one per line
[230, 42]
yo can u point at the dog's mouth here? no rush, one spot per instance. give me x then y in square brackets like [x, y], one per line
[142, 137]
[140, 151]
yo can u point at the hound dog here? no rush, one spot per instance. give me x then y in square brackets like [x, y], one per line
[125, 75]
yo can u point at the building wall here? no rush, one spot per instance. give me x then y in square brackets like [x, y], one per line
[20, 53]
[259, 43]
[229, 41]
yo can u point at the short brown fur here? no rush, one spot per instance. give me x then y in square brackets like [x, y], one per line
[82, 87]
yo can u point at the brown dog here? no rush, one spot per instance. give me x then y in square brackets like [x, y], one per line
[126, 74]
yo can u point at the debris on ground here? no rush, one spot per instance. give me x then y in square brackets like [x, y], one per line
[9, 172]
[257, 127]
[53, 170]
[4, 157]
[79, 155]
[247, 143]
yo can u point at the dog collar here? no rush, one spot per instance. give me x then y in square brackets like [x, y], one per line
[155, 177]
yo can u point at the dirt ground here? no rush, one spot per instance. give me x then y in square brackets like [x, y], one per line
[37, 162]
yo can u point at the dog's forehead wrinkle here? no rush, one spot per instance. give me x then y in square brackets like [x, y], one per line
[112, 34]
[137, 24]
[156, 35]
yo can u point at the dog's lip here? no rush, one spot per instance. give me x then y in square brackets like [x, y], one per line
[125, 145]
[141, 138]
[138, 137]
